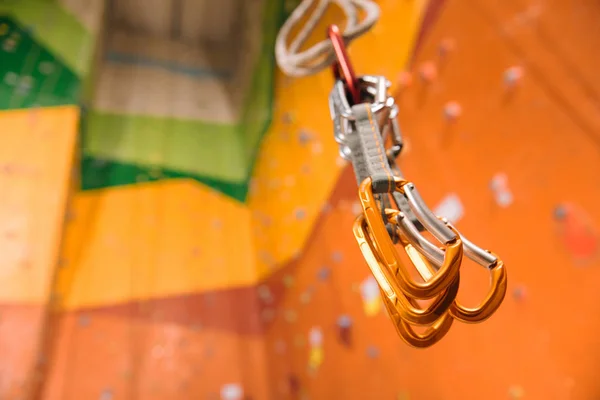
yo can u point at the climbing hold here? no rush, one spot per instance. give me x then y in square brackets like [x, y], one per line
[296, 255]
[84, 320]
[452, 111]
[284, 136]
[372, 352]
[9, 45]
[404, 80]
[428, 72]
[371, 296]
[315, 339]
[516, 392]
[316, 148]
[290, 316]
[294, 384]
[324, 273]
[62, 263]
[288, 281]
[264, 293]
[288, 118]
[577, 231]
[315, 336]
[336, 256]
[300, 214]
[344, 324]
[560, 213]
[450, 208]
[356, 208]
[340, 162]
[11, 78]
[305, 297]
[502, 193]
[344, 321]
[106, 394]
[232, 391]
[217, 223]
[513, 76]
[304, 137]
[519, 293]
[446, 46]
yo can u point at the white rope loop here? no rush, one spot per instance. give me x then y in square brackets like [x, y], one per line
[320, 56]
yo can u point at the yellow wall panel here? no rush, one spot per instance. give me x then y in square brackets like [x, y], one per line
[36, 160]
[154, 240]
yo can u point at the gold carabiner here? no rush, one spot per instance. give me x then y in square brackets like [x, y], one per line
[490, 303]
[404, 306]
[441, 280]
[432, 335]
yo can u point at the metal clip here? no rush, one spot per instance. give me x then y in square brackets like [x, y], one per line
[403, 305]
[432, 258]
[373, 90]
[441, 280]
[366, 129]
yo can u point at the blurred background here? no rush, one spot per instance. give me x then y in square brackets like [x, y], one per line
[175, 222]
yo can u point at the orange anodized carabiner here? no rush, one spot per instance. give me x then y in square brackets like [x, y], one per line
[406, 308]
[493, 299]
[490, 303]
[433, 334]
[439, 281]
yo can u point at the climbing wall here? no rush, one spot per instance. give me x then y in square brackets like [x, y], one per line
[194, 256]
[497, 108]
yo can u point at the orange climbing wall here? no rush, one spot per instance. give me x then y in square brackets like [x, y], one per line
[543, 136]
[170, 290]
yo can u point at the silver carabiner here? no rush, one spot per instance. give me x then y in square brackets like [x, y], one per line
[374, 89]
[436, 255]
[429, 220]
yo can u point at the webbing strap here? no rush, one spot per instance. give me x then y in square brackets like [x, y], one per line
[368, 152]
[369, 159]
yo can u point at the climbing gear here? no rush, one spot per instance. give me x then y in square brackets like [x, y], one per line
[394, 216]
[394, 213]
[482, 257]
[403, 305]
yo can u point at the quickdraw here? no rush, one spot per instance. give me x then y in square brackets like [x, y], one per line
[395, 216]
